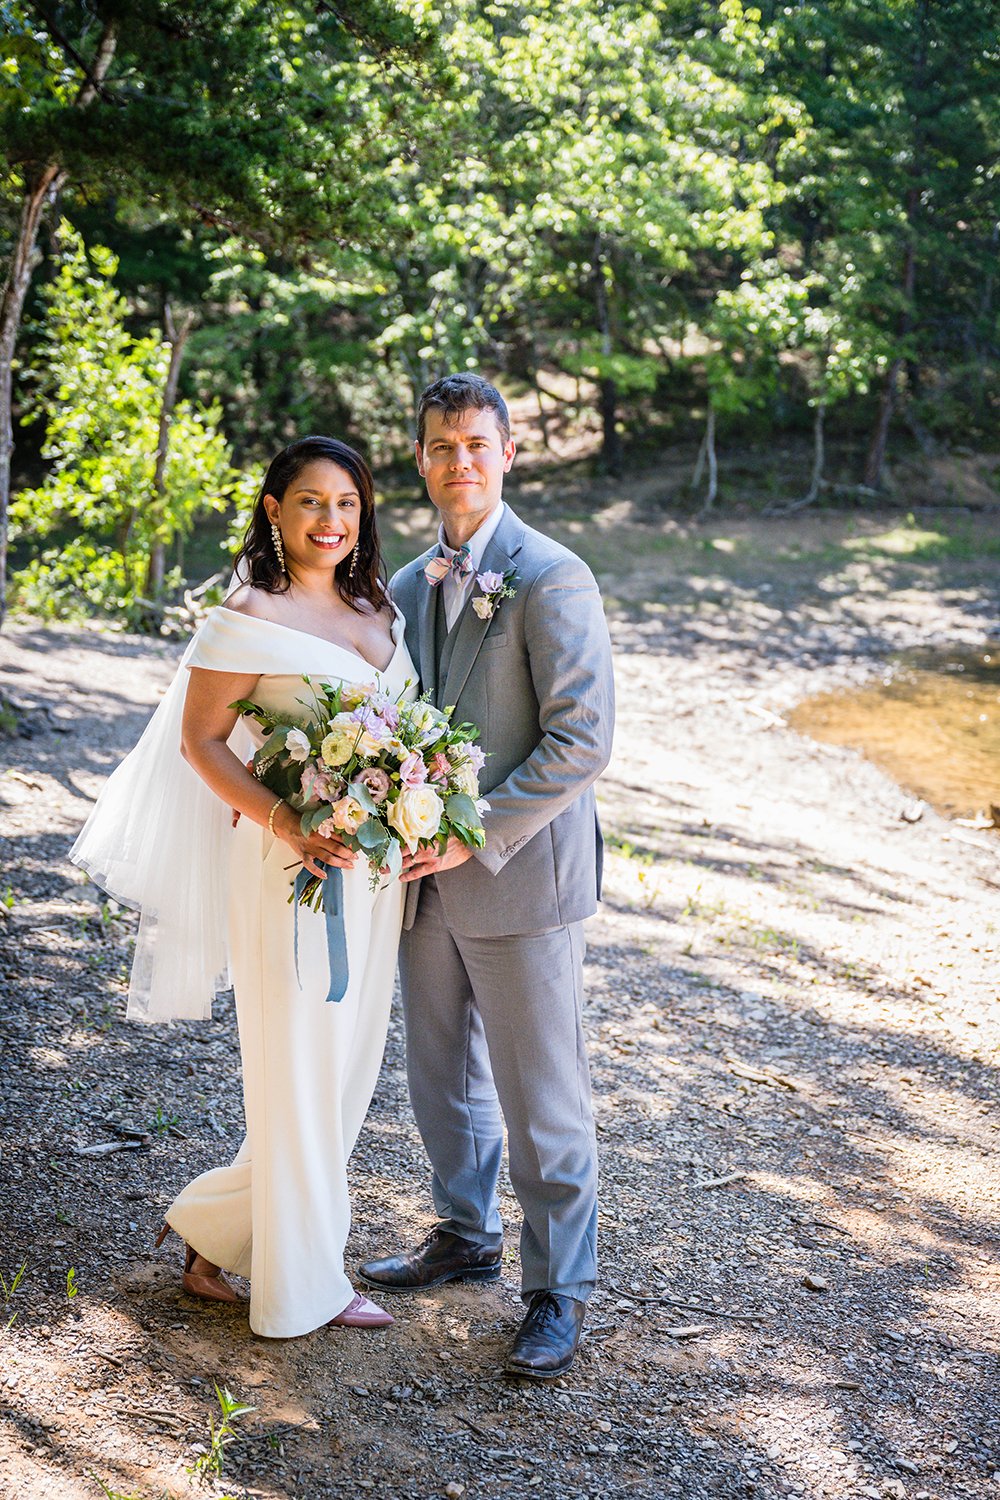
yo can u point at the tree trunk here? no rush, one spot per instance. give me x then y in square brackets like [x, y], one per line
[819, 454]
[706, 454]
[41, 190]
[611, 443]
[875, 458]
[611, 447]
[36, 199]
[543, 416]
[177, 337]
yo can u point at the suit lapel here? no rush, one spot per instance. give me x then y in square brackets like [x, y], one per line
[499, 556]
[426, 604]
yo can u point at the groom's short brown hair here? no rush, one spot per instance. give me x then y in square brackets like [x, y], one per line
[454, 394]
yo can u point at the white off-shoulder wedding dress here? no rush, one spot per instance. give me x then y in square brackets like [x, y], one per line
[279, 1214]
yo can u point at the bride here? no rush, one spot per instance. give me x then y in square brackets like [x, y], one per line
[214, 899]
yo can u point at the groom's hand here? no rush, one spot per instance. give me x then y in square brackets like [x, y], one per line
[430, 862]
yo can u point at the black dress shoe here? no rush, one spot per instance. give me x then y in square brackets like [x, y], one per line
[443, 1256]
[547, 1340]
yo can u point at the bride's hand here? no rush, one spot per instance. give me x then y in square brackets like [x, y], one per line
[316, 851]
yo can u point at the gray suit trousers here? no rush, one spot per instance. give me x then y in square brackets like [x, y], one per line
[494, 1024]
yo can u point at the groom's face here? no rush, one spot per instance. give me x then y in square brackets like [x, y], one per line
[463, 462]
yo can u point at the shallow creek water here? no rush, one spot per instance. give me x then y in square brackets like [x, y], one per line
[932, 722]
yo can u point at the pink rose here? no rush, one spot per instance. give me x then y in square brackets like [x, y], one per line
[412, 771]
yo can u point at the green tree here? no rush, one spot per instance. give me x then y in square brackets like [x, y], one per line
[123, 483]
[271, 122]
[897, 181]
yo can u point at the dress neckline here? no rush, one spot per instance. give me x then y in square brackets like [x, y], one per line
[309, 635]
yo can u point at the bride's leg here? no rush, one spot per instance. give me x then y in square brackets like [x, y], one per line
[362, 1059]
[212, 1215]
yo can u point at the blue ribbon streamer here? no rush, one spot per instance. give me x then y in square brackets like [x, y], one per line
[336, 933]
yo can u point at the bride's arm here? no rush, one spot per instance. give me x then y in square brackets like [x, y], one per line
[208, 722]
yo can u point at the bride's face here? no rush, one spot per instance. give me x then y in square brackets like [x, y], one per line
[319, 516]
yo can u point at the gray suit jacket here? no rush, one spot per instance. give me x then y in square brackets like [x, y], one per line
[537, 680]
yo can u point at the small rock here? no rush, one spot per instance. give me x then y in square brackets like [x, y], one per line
[453, 1490]
[815, 1283]
[906, 1466]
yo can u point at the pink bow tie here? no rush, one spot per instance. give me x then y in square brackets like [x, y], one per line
[437, 570]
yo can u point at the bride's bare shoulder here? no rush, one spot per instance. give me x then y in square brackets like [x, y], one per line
[247, 600]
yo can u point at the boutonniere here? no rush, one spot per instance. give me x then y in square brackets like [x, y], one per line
[496, 587]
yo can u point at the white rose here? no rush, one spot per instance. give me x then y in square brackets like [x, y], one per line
[483, 607]
[297, 745]
[416, 814]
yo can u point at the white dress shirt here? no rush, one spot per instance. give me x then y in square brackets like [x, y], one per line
[457, 590]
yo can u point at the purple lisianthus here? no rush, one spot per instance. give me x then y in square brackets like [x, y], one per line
[377, 782]
[372, 721]
[490, 583]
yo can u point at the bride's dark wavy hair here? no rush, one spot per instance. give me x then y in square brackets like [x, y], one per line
[257, 562]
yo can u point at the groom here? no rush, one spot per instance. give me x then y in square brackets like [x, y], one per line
[491, 961]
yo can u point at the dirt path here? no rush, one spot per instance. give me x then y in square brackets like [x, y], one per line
[793, 997]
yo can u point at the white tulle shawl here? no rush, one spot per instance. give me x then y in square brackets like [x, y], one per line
[159, 840]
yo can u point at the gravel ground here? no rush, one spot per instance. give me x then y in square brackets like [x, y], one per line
[792, 1009]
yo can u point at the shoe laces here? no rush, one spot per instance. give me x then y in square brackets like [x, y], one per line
[545, 1311]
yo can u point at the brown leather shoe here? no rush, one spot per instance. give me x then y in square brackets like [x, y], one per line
[547, 1340]
[441, 1257]
[201, 1277]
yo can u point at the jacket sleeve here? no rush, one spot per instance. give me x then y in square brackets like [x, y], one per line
[569, 653]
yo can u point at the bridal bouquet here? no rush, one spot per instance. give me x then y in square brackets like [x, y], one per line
[373, 771]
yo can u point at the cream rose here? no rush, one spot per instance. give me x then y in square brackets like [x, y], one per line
[416, 814]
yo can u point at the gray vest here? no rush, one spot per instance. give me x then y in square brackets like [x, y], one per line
[444, 644]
